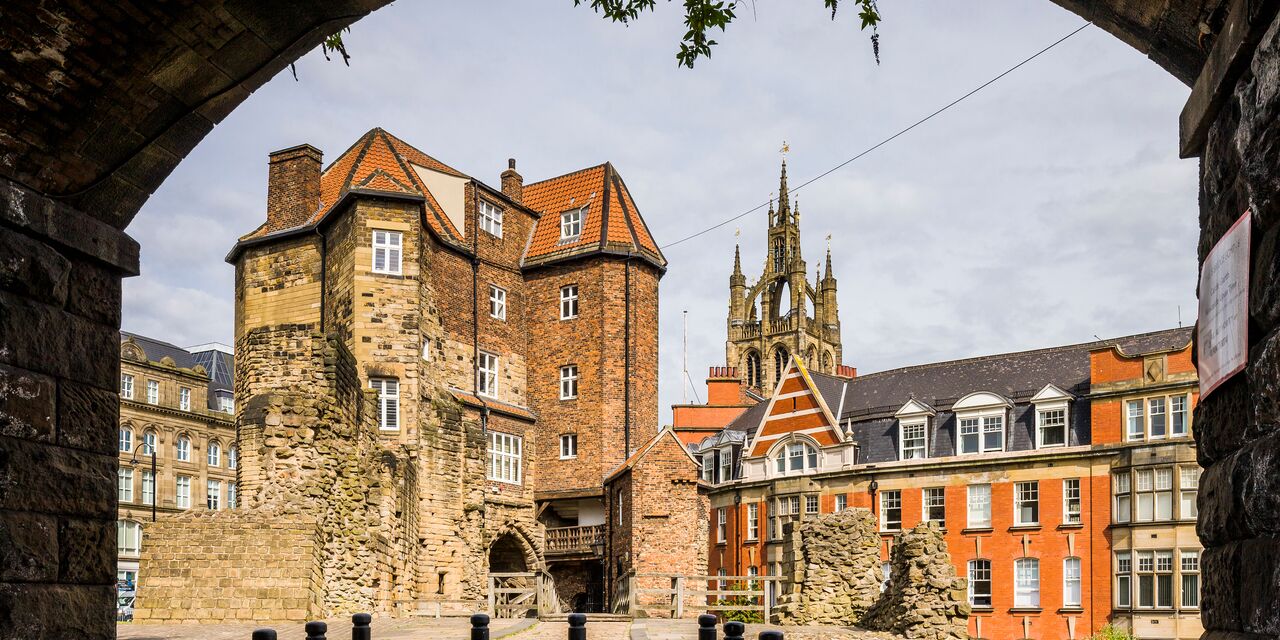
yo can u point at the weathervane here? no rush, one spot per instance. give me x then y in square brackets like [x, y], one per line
[785, 149]
[828, 243]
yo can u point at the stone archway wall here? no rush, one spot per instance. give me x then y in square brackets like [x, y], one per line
[99, 108]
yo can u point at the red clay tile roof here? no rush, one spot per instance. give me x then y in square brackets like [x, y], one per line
[470, 399]
[381, 163]
[611, 221]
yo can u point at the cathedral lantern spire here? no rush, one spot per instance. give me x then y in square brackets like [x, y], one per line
[784, 198]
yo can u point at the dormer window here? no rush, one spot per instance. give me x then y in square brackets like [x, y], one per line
[980, 420]
[1052, 406]
[571, 224]
[795, 457]
[913, 430]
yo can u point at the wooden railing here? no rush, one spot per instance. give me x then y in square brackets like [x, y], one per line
[711, 593]
[575, 540]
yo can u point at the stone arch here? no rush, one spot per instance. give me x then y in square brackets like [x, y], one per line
[779, 361]
[513, 546]
[751, 368]
[827, 361]
[811, 357]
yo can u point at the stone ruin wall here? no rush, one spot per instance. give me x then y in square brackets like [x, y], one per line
[925, 599]
[833, 566]
[310, 461]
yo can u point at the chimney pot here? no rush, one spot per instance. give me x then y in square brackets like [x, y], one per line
[293, 186]
[512, 182]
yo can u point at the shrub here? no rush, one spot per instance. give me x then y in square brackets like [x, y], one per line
[739, 615]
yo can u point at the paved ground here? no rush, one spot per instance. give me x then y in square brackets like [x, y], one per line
[659, 629]
[339, 629]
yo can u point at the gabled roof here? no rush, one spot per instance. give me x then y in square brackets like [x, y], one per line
[797, 407]
[611, 222]
[645, 448]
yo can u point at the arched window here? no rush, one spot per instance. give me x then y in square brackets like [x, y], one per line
[233, 458]
[826, 361]
[126, 439]
[183, 449]
[780, 361]
[779, 255]
[811, 358]
[753, 369]
[795, 457]
[128, 537]
[215, 454]
[148, 442]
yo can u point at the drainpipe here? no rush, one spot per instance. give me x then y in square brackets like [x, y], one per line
[475, 352]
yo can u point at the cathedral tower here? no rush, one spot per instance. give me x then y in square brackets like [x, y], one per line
[782, 313]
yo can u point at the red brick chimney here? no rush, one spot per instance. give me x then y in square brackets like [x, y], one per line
[846, 371]
[512, 182]
[293, 186]
[723, 386]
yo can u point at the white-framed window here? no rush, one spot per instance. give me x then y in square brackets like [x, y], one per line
[811, 504]
[1026, 586]
[753, 521]
[1190, 566]
[1071, 590]
[148, 443]
[569, 382]
[126, 439]
[1155, 579]
[214, 456]
[184, 398]
[886, 573]
[569, 302]
[891, 510]
[1188, 487]
[842, 502]
[1026, 503]
[124, 483]
[148, 488]
[980, 583]
[568, 446]
[182, 492]
[1154, 494]
[232, 497]
[497, 302]
[1135, 420]
[979, 506]
[1051, 427]
[128, 537]
[722, 519]
[1178, 415]
[709, 466]
[1159, 417]
[226, 404]
[979, 434]
[213, 495]
[505, 457]
[913, 441]
[571, 224]
[233, 458]
[724, 458]
[126, 386]
[722, 584]
[153, 392]
[388, 402]
[784, 508]
[1164, 579]
[487, 375]
[182, 449]
[795, 457]
[426, 349]
[490, 217]
[387, 250]
[934, 508]
[1120, 486]
[1071, 501]
[1124, 580]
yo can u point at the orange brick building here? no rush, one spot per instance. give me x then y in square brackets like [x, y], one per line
[1064, 479]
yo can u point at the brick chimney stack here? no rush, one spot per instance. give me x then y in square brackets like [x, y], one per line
[293, 186]
[512, 182]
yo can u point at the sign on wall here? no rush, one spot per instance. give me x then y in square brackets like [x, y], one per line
[1223, 341]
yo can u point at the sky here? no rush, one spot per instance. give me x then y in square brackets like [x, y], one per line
[1047, 209]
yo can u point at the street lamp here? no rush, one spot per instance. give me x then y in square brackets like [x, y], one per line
[155, 485]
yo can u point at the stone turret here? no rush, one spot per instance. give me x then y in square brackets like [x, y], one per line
[770, 319]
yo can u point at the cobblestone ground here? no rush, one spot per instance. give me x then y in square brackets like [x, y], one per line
[658, 629]
[560, 631]
[339, 629]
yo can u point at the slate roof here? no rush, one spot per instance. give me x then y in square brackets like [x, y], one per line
[219, 365]
[379, 163]
[157, 349]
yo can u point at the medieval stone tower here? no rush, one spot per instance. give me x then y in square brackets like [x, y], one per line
[782, 313]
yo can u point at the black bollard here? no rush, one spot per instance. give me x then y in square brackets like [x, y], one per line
[315, 630]
[479, 627]
[770, 635]
[264, 634]
[706, 627]
[360, 626]
[733, 630]
[577, 626]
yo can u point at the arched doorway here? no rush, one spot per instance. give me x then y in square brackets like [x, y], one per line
[507, 555]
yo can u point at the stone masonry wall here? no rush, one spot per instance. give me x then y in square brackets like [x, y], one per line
[1238, 425]
[925, 599]
[835, 560]
[231, 566]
